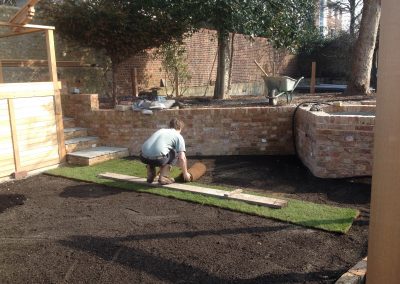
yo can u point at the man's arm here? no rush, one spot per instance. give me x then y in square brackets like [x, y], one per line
[183, 165]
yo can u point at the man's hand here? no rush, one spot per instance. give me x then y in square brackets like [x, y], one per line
[187, 177]
[183, 166]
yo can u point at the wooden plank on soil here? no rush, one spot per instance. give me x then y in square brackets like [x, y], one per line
[231, 193]
[253, 199]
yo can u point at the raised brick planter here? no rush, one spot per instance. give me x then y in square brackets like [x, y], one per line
[336, 142]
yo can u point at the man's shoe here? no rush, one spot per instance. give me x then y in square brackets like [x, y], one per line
[151, 173]
[163, 180]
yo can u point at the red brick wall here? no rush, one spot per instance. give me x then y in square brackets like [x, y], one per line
[336, 146]
[331, 146]
[217, 131]
[201, 50]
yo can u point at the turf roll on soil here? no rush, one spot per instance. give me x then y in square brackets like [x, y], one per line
[196, 171]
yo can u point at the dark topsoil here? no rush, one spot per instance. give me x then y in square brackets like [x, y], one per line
[55, 230]
[238, 100]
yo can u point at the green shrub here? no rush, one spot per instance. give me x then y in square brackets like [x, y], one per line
[332, 57]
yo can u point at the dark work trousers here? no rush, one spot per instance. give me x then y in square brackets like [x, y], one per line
[170, 159]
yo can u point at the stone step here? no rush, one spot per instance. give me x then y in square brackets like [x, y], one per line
[75, 132]
[96, 155]
[68, 122]
[81, 143]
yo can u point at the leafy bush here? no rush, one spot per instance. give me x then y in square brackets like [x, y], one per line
[174, 62]
[332, 56]
[8, 2]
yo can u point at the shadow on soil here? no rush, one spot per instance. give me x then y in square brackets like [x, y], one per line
[10, 200]
[89, 191]
[284, 174]
[114, 250]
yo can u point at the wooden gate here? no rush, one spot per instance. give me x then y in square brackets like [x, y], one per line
[29, 135]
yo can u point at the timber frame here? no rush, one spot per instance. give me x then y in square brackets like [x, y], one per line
[19, 25]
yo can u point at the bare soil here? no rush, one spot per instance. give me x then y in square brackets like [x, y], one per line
[254, 100]
[56, 230]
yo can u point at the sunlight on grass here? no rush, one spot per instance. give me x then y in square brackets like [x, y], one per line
[324, 217]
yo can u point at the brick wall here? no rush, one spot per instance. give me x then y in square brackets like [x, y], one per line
[334, 145]
[330, 144]
[201, 51]
[216, 131]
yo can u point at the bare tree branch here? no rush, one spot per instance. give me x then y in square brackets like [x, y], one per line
[8, 2]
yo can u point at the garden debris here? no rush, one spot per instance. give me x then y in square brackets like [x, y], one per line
[146, 106]
[160, 102]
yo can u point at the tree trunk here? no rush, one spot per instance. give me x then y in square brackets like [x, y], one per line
[359, 82]
[352, 10]
[231, 63]
[114, 82]
[221, 85]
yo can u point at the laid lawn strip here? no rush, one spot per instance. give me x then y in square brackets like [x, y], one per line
[319, 216]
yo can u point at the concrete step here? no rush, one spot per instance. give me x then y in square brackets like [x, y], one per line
[81, 143]
[75, 132]
[96, 155]
[68, 122]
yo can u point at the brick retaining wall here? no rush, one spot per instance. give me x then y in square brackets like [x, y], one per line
[333, 144]
[211, 131]
[330, 144]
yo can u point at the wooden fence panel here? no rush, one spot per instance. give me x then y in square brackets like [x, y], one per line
[38, 145]
[30, 137]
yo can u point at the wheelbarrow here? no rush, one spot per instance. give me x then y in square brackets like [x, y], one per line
[280, 85]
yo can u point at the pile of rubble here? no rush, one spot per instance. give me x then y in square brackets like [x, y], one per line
[147, 103]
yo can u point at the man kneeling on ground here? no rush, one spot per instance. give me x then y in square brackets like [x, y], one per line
[163, 149]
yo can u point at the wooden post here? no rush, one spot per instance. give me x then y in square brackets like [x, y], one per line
[1, 73]
[273, 69]
[51, 57]
[176, 79]
[135, 88]
[313, 72]
[384, 229]
[14, 136]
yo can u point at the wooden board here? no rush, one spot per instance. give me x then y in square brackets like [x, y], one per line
[26, 90]
[30, 125]
[6, 148]
[7, 170]
[40, 63]
[24, 14]
[40, 164]
[253, 199]
[52, 157]
[34, 144]
[34, 135]
[36, 132]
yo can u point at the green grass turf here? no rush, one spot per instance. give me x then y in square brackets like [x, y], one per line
[319, 216]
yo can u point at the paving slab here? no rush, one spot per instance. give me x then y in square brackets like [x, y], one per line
[97, 151]
[80, 139]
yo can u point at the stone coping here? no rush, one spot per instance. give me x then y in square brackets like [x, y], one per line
[355, 275]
